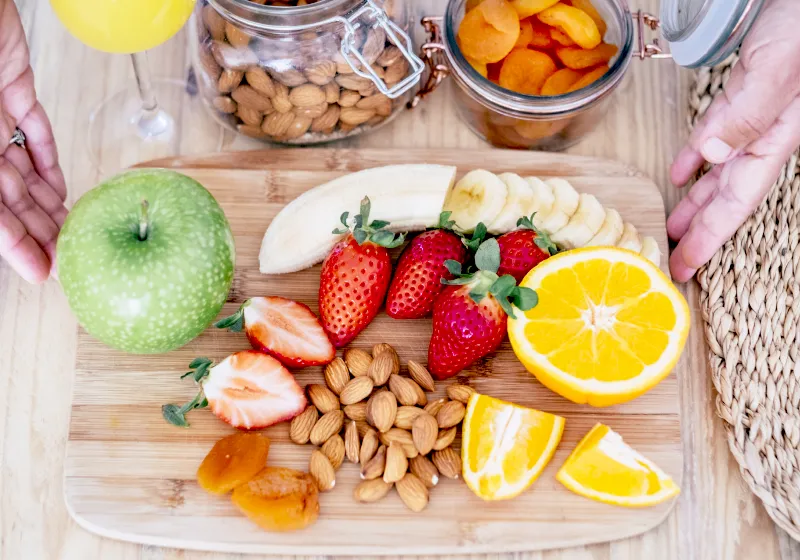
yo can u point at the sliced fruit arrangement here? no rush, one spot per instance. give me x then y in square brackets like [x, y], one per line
[248, 390]
[604, 468]
[285, 329]
[506, 447]
[608, 327]
[523, 249]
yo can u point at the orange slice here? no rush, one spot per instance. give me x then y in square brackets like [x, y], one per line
[604, 468]
[609, 325]
[505, 446]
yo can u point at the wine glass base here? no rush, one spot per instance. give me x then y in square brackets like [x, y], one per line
[122, 133]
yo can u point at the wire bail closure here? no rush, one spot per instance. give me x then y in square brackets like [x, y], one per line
[432, 52]
[652, 49]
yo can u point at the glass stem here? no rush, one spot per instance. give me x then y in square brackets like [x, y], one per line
[141, 70]
[151, 121]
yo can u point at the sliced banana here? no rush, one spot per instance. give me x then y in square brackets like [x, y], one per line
[565, 204]
[610, 232]
[519, 202]
[650, 250]
[543, 199]
[478, 197]
[583, 225]
[630, 239]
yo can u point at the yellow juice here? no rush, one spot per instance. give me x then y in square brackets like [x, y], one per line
[123, 26]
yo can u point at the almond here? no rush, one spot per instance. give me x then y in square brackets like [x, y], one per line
[252, 131]
[410, 450]
[327, 121]
[250, 116]
[212, 68]
[413, 492]
[342, 66]
[214, 22]
[306, 95]
[403, 390]
[326, 427]
[290, 77]
[260, 81]
[301, 425]
[379, 71]
[396, 463]
[358, 361]
[281, 99]
[374, 467]
[445, 438]
[382, 365]
[405, 416]
[363, 427]
[334, 450]
[313, 112]
[379, 103]
[323, 398]
[448, 462]
[319, 467]
[374, 121]
[451, 414]
[356, 390]
[425, 470]
[397, 435]
[357, 411]
[373, 45]
[389, 56]
[299, 126]
[369, 491]
[370, 442]
[368, 90]
[336, 375]
[352, 82]
[352, 445]
[381, 410]
[420, 374]
[229, 80]
[425, 432]
[232, 58]
[321, 73]
[246, 95]
[276, 124]
[396, 71]
[435, 406]
[225, 104]
[460, 393]
[348, 98]
[236, 36]
[422, 398]
[331, 90]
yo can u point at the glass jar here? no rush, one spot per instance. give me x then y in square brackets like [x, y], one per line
[304, 74]
[512, 120]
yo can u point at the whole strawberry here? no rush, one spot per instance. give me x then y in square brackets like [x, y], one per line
[471, 314]
[420, 269]
[355, 276]
[522, 249]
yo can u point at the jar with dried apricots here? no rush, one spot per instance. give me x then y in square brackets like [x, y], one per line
[304, 71]
[539, 74]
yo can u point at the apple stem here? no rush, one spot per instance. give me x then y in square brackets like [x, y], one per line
[143, 221]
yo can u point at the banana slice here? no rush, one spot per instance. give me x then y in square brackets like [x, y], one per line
[583, 225]
[564, 206]
[543, 199]
[478, 197]
[610, 232]
[650, 250]
[519, 203]
[630, 239]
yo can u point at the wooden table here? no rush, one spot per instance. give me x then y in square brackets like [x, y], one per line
[716, 516]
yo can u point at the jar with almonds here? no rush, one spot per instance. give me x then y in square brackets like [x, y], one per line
[304, 72]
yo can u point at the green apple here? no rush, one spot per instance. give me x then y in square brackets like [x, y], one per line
[146, 260]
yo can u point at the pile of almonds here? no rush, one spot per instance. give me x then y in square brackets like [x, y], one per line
[387, 425]
[298, 91]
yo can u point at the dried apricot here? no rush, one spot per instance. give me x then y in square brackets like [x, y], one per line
[526, 70]
[279, 499]
[489, 31]
[527, 8]
[560, 82]
[232, 461]
[577, 24]
[580, 59]
[525, 34]
[541, 38]
[561, 38]
[592, 12]
[536, 130]
[480, 67]
[471, 4]
[589, 78]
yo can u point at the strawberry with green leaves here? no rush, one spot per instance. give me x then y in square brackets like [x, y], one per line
[471, 314]
[524, 248]
[355, 276]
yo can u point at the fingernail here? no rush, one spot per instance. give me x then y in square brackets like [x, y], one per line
[716, 151]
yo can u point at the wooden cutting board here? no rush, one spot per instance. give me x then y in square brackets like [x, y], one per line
[130, 476]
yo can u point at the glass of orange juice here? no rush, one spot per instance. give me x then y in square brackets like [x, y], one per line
[141, 122]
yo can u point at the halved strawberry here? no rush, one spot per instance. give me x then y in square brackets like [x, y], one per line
[248, 390]
[283, 328]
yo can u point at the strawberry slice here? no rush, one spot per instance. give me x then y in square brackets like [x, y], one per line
[283, 328]
[248, 390]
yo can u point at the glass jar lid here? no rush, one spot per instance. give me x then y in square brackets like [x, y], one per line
[705, 32]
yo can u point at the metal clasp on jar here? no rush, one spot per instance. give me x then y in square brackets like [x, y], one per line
[652, 49]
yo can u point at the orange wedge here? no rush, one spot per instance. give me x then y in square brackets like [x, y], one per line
[604, 468]
[505, 447]
[608, 327]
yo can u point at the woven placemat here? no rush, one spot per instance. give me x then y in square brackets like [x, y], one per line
[750, 301]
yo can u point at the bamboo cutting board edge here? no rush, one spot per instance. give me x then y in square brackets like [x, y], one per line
[342, 161]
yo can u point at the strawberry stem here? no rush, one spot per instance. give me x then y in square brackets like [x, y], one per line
[235, 322]
[542, 240]
[363, 230]
[176, 415]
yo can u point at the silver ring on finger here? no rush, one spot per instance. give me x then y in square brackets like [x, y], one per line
[18, 138]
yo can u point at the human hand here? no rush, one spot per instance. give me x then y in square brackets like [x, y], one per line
[748, 132]
[32, 187]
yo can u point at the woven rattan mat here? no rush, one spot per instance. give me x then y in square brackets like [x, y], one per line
[750, 301]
